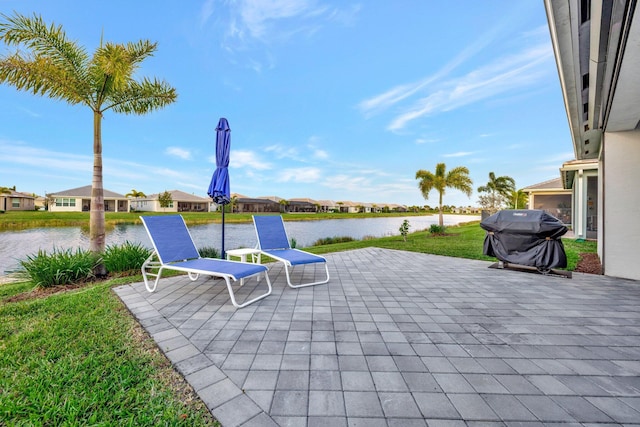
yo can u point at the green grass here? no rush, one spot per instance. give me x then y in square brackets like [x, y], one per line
[79, 358]
[73, 359]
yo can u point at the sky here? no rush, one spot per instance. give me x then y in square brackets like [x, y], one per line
[326, 99]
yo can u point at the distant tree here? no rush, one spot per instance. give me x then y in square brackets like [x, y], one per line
[135, 194]
[518, 200]
[457, 178]
[283, 205]
[165, 199]
[47, 63]
[498, 191]
[233, 204]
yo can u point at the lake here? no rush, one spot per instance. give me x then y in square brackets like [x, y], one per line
[16, 245]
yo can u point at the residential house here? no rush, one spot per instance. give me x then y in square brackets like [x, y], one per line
[257, 205]
[327, 206]
[17, 201]
[551, 197]
[180, 202]
[79, 200]
[302, 205]
[596, 45]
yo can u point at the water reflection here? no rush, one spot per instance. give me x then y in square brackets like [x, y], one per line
[16, 245]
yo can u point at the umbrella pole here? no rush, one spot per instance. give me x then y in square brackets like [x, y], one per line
[222, 252]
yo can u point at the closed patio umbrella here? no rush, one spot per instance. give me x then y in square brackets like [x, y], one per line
[219, 189]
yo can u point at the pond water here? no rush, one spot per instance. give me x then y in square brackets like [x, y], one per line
[17, 245]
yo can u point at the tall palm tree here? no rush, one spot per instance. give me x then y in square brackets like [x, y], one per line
[46, 63]
[457, 178]
[499, 190]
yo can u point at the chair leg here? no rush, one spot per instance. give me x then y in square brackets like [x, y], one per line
[246, 303]
[147, 270]
[304, 285]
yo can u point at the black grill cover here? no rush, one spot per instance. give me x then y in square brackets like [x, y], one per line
[525, 237]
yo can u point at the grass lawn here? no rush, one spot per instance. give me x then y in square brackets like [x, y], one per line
[79, 358]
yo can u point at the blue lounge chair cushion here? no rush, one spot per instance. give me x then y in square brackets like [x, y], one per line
[295, 257]
[235, 269]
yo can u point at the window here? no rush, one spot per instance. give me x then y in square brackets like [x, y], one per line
[15, 202]
[63, 201]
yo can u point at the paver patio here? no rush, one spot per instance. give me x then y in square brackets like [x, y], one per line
[405, 339]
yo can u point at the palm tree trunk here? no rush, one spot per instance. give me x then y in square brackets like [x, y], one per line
[96, 214]
[440, 219]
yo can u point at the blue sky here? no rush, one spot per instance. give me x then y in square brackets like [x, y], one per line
[332, 100]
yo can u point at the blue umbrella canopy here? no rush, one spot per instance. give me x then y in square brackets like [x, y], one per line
[219, 189]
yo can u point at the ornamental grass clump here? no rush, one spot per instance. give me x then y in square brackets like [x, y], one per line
[60, 267]
[209, 252]
[125, 258]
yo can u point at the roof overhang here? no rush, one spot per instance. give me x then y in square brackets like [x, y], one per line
[597, 57]
[569, 170]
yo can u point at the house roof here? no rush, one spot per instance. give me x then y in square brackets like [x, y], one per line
[15, 194]
[181, 196]
[552, 184]
[86, 192]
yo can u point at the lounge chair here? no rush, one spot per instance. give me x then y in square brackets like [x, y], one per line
[174, 250]
[273, 242]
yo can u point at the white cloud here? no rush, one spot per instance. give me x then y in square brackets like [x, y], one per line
[206, 11]
[178, 152]
[506, 74]
[347, 182]
[282, 152]
[459, 154]
[299, 175]
[246, 159]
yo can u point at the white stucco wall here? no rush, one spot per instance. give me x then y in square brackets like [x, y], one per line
[620, 226]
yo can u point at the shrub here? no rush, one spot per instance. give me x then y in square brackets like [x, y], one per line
[437, 229]
[126, 257]
[59, 267]
[209, 252]
[404, 229]
[294, 243]
[332, 240]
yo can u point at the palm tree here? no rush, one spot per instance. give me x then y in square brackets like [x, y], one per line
[135, 194]
[518, 199]
[48, 64]
[499, 189]
[457, 178]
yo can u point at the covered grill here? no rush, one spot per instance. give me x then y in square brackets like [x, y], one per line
[525, 237]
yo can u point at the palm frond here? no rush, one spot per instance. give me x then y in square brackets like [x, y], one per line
[140, 98]
[40, 40]
[41, 76]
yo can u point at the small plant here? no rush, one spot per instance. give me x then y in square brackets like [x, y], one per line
[209, 252]
[404, 229]
[126, 257]
[60, 267]
[437, 229]
[294, 243]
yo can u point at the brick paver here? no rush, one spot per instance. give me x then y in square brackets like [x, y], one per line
[403, 339]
